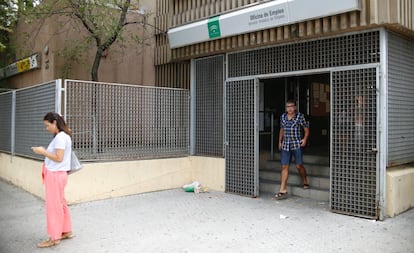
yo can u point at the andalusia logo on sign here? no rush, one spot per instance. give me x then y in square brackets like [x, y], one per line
[214, 28]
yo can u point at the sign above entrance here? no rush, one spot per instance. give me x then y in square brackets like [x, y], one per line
[214, 28]
[258, 17]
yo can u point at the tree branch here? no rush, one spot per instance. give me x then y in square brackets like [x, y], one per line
[121, 24]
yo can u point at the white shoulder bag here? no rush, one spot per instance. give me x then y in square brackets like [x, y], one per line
[75, 165]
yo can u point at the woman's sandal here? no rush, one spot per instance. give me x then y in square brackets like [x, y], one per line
[66, 235]
[281, 195]
[305, 186]
[48, 243]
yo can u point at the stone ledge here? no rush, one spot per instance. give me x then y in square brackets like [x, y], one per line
[400, 188]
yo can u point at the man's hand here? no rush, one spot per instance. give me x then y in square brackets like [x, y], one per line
[280, 146]
[303, 142]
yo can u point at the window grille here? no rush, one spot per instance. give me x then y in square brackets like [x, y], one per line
[209, 79]
[354, 49]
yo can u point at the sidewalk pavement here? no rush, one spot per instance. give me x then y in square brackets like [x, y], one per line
[177, 221]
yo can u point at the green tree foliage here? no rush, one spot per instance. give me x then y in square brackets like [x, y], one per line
[8, 15]
[103, 20]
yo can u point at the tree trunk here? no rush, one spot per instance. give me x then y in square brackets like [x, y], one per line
[105, 44]
[95, 66]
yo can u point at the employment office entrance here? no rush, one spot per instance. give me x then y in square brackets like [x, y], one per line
[312, 96]
[311, 93]
[350, 61]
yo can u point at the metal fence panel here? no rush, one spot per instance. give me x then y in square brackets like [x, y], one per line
[6, 116]
[112, 122]
[354, 142]
[241, 138]
[400, 100]
[209, 79]
[31, 106]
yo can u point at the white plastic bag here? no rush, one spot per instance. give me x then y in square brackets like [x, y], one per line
[193, 187]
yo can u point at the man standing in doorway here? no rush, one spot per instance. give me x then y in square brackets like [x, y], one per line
[290, 144]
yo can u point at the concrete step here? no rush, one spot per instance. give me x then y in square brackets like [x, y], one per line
[318, 194]
[311, 169]
[317, 169]
[318, 181]
[308, 159]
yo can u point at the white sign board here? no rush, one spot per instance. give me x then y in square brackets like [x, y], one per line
[258, 17]
[23, 65]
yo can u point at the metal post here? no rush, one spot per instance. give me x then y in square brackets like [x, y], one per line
[94, 143]
[58, 97]
[94, 119]
[297, 87]
[271, 135]
[382, 121]
[192, 107]
[13, 123]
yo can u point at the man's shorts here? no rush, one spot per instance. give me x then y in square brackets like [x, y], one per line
[286, 156]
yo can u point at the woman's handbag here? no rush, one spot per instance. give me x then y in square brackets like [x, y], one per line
[75, 165]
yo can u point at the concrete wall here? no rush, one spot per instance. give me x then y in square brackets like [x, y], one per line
[25, 173]
[113, 179]
[209, 171]
[400, 189]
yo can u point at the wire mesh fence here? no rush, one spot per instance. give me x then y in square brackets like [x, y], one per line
[21, 118]
[111, 121]
[108, 121]
[6, 118]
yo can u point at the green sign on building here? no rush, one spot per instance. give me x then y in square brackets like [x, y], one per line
[214, 28]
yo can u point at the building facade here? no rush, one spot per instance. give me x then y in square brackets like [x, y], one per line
[57, 44]
[348, 64]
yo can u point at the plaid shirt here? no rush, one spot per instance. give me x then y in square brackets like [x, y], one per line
[292, 130]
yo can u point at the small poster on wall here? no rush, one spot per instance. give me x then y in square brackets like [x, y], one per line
[320, 99]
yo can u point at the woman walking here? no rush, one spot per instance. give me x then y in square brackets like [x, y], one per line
[55, 176]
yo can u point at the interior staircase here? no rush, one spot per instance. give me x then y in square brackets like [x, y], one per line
[317, 169]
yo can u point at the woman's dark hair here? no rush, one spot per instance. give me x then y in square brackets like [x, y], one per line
[60, 122]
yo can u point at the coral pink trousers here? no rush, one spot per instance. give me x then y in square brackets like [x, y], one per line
[57, 212]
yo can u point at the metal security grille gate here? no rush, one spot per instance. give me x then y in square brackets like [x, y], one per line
[354, 137]
[242, 137]
[208, 100]
[354, 142]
